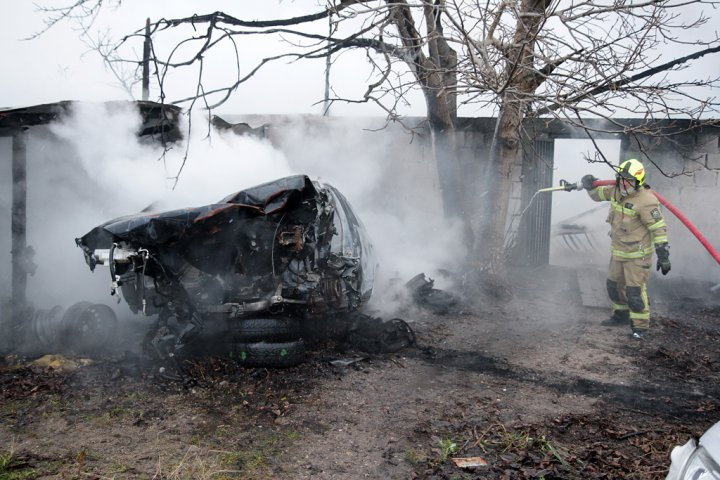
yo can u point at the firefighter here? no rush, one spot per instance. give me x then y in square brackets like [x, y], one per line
[637, 227]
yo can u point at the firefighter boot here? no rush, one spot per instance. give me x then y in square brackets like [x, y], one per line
[638, 334]
[619, 318]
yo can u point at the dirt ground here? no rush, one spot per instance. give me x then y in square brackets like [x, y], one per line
[533, 384]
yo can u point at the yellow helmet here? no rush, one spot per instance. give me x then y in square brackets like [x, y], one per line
[632, 170]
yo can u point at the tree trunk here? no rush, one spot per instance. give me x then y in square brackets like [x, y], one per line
[442, 129]
[522, 81]
[439, 80]
[489, 249]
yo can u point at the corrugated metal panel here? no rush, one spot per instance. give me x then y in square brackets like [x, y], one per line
[532, 247]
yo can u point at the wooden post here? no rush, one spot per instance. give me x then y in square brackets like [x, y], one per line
[146, 63]
[18, 225]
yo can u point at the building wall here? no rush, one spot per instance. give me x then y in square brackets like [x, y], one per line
[684, 166]
[684, 170]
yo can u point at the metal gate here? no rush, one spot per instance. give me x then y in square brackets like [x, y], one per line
[532, 247]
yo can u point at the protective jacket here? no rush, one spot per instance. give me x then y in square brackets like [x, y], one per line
[636, 221]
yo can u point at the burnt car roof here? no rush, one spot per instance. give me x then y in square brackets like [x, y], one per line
[191, 224]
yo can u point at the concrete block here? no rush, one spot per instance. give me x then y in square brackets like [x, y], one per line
[670, 162]
[713, 160]
[705, 178]
[707, 143]
[662, 183]
[693, 164]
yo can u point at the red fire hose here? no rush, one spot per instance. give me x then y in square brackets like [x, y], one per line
[679, 215]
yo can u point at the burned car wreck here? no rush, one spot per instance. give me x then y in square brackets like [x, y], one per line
[248, 276]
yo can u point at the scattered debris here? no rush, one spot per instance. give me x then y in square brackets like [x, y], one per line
[424, 294]
[22, 380]
[346, 362]
[374, 335]
[469, 462]
[60, 363]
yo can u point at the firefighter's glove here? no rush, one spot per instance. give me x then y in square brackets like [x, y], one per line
[663, 258]
[587, 182]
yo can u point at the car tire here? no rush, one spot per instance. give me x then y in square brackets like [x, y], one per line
[88, 328]
[270, 355]
[271, 329]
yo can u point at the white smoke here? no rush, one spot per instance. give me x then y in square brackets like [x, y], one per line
[390, 178]
[91, 167]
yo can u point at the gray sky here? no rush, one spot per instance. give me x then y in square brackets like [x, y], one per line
[57, 66]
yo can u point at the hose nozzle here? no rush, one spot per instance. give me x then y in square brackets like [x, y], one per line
[569, 187]
[564, 185]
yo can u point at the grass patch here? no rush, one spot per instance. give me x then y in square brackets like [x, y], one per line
[13, 468]
[523, 441]
[447, 448]
[415, 458]
[254, 459]
[251, 457]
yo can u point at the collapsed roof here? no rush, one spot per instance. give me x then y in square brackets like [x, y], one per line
[160, 120]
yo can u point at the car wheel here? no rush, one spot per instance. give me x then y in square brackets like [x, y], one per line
[271, 329]
[87, 327]
[270, 355]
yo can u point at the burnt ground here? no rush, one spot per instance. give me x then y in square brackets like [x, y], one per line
[532, 384]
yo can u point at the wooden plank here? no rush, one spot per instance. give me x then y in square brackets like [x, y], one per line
[592, 287]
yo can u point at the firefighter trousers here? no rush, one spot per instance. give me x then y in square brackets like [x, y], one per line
[627, 289]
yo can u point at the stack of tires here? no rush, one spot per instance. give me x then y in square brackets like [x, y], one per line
[84, 328]
[272, 342]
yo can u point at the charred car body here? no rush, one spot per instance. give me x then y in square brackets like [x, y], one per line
[243, 275]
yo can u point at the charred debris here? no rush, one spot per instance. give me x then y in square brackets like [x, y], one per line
[254, 276]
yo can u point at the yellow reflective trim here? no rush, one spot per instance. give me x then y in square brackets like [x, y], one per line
[660, 239]
[640, 316]
[619, 208]
[657, 225]
[619, 307]
[636, 254]
[601, 193]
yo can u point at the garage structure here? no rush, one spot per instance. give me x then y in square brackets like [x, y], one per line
[160, 124]
[687, 152]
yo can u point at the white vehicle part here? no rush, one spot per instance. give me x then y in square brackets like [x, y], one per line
[711, 441]
[120, 255]
[697, 462]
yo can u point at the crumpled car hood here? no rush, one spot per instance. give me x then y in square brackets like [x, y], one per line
[185, 229]
[291, 243]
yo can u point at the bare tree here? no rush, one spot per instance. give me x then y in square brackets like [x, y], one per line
[522, 58]
[392, 31]
[587, 58]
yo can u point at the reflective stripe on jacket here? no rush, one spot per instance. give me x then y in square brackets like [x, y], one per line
[636, 222]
